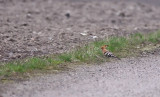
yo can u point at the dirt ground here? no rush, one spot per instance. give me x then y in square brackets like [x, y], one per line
[39, 27]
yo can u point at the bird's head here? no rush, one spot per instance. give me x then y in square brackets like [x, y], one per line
[104, 47]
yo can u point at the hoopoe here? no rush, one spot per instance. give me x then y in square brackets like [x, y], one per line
[108, 53]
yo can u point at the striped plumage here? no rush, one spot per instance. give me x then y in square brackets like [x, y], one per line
[108, 53]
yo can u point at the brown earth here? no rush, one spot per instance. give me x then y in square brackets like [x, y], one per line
[39, 27]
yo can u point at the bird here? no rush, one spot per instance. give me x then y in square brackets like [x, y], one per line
[107, 53]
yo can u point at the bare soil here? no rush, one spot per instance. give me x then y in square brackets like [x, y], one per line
[39, 27]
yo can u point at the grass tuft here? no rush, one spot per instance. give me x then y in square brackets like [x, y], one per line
[117, 43]
[154, 38]
[66, 57]
[137, 38]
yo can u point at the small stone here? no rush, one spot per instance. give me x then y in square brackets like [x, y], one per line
[145, 25]
[34, 32]
[48, 18]
[10, 54]
[138, 47]
[67, 15]
[12, 40]
[136, 28]
[50, 38]
[94, 37]
[28, 16]
[69, 29]
[32, 39]
[18, 56]
[113, 21]
[121, 14]
[83, 34]
[24, 24]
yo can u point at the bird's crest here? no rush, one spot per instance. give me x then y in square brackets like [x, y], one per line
[104, 47]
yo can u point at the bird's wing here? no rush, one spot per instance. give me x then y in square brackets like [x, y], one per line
[108, 54]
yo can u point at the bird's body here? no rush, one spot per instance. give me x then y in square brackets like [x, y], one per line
[108, 53]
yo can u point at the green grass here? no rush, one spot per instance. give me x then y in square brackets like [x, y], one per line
[90, 53]
[28, 65]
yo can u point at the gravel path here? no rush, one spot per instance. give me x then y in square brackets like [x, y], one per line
[132, 77]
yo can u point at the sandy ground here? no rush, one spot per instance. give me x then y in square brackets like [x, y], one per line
[39, 27]
[130, 77]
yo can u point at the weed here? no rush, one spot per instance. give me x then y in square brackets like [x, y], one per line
[66, 57]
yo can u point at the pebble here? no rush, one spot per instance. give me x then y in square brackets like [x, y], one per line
[121, 14]
[94, 37]
[67, 15]
[11, 54]
[28, 16]
[83, 34]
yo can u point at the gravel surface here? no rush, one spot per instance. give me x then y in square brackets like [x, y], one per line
[39, 27]
[131, 77]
